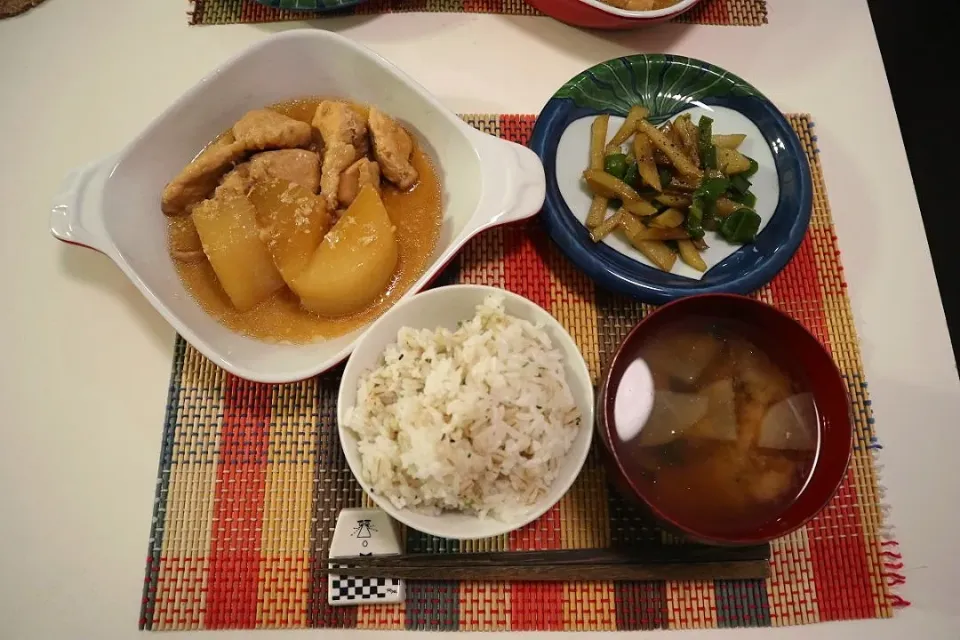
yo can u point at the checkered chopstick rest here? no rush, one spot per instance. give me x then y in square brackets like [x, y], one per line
[364, 532]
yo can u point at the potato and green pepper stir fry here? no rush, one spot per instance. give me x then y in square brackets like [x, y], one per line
[674, 184]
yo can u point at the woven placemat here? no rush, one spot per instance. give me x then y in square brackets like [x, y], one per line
[252, 478]
[739, 13]
[10, 8]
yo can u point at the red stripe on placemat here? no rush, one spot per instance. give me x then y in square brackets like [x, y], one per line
[839, 558]
[233, 585]
[517, 128]
[797, 290]
[525, 271]
[537, 606]
[524, 245]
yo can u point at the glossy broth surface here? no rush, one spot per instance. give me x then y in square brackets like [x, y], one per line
[417, 215]
[733, 434]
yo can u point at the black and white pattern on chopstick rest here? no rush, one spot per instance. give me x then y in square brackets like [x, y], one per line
[363, 532]
[350, 590]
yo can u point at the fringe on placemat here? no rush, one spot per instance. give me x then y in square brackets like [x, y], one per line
[888, 554]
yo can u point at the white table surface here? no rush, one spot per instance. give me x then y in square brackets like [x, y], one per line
[87, 360]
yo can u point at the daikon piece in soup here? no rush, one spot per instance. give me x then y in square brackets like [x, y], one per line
[733, 434]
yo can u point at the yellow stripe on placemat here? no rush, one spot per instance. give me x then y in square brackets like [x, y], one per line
[381, 616]
[481, 260]
[288, 504]
[585, 524]
[691, 605]
[181, 585]
[485, 606]
[585, 520]
[589, 606]
[790, 587]
[574, 303]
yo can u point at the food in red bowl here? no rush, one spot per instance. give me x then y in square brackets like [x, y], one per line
[613, 14]
[726, 418]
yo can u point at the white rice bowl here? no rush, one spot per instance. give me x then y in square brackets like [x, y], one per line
[476, 420]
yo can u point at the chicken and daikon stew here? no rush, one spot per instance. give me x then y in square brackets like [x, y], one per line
[668, 186]
[733, 434]
[304, 220]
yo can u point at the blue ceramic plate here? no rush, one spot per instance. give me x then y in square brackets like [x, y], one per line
[312, 5]
[668, 86]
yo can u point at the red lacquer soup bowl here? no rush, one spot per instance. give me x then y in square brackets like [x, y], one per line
[809, 360]
[599, 15]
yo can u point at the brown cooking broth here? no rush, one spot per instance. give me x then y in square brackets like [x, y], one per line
[733, 436]
[417, 216]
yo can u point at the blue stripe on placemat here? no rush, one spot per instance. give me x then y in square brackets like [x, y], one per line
[432, 605]
[155, 545]
[742, 603]
[334, 489]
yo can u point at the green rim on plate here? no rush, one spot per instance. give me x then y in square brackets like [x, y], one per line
[665, 85]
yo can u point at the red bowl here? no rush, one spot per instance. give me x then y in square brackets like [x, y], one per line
[581, 14]
[765, 325]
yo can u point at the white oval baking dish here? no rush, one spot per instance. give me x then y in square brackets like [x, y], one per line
[113, 205]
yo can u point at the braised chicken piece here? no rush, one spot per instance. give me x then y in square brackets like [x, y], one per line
[392, 147]
[360, 174]
[293, 165]
[199, 178]
[237, 181]
[257, 130]
[266, 129]
[184, 240]
[344, 133]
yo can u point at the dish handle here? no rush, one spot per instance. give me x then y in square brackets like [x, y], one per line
[75, 216]
[514, 184]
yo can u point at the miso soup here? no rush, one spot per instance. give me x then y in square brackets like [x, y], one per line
[733, 434]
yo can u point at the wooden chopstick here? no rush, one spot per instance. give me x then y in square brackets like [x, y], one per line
[742, 570]
[649, 554]
[660, 562]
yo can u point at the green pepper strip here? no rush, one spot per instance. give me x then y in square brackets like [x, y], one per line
[632, 176]
[665, 176]
[708, 152]
[741, 226]
[739, 184]
[702, 214]
[616, 165]
[694, 224]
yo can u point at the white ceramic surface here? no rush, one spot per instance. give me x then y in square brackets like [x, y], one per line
[445, 307]
[656, 13]
[113, 205]
[573, 152]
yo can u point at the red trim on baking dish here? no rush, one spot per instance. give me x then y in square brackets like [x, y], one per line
[80, 244]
